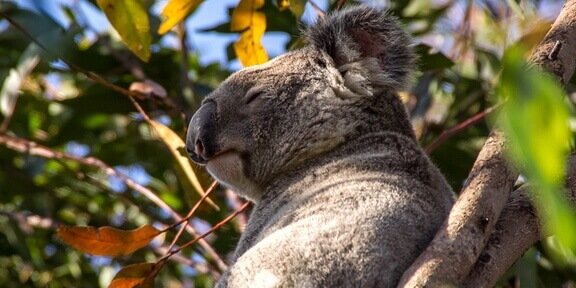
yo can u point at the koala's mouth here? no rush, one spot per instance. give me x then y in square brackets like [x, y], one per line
[198, 159]
[203, 160]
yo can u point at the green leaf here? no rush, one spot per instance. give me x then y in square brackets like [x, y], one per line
[432, 60]
[56, 41]
[295, 6]
[536, 120]
[130, 19]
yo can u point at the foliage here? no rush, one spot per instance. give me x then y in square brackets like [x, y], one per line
[528, 93]
[252, 23]
[75, 149]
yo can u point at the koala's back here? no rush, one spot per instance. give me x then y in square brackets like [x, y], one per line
[356, 219]
[318, 139]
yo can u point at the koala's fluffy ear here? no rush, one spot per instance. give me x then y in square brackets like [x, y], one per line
[369, 40]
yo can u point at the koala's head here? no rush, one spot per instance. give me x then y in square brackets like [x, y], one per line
[266, 120]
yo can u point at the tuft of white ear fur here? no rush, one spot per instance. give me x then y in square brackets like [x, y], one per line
[369, 41]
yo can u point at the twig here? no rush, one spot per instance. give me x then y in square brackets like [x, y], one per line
[446, 134]
[27, 221]
[317, 9]
[200, 267]
[32, 148]
[157, 94]
[28, 146]
[190, 214]
[128, 62]
[214, 228]
[160, 263]
[91, 75]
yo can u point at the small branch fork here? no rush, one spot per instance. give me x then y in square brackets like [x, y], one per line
[482, 237]
[162, 261]
[132, 95]
[448, 133]
[32, 148]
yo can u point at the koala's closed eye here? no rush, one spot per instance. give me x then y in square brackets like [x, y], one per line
[253, 94]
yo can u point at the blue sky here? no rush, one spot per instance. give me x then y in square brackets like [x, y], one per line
[211, 46]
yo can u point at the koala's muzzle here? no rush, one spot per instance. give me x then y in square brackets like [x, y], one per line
[201, 139]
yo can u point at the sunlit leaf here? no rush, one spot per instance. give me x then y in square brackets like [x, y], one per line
[252, 23]
[11, 87]
[107, 241]
[130, 20]
[135, 275]
[175, 11]
[283, 4]
[174, 142]
[536, 120]
[295, 6]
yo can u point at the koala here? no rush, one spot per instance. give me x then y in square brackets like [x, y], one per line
[320, 142]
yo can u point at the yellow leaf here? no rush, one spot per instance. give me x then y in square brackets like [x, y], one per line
[295, 6]
[283, 4]
[174, 142]
[252, 23]
[243, 14]
[135, 275]
[130, 20]
[175, 11]
[107, 241]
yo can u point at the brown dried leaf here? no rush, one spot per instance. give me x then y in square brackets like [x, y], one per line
[135, 275]
[107, 241]
[148, 88]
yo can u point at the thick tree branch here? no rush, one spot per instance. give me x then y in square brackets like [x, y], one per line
[457, 246]
[517, 230]
[454, 250]
[557, 52]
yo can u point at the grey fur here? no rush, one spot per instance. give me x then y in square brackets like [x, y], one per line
[318, 139]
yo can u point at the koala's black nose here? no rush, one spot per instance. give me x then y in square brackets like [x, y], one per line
[200, 141]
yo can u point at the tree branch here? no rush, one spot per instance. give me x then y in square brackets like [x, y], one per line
[517, 230]
[556, 52]
[446, 134]
[32, 148]
[457, 246]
